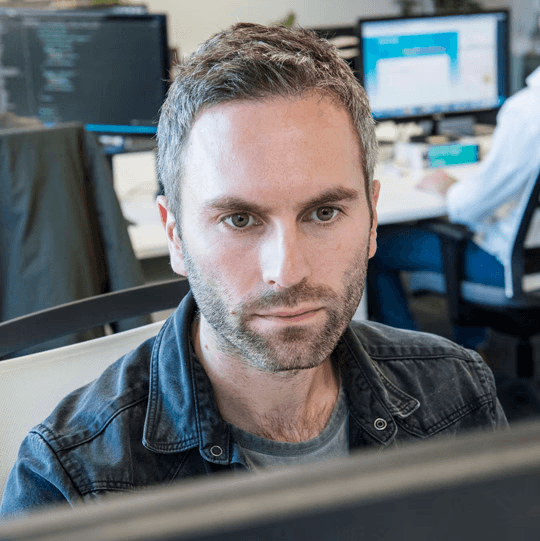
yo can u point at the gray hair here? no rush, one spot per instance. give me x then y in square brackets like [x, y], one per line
[255, 62]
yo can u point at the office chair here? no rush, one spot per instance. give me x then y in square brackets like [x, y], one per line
[77, 316]
[510, 310]
[62, 233]
[31, 386]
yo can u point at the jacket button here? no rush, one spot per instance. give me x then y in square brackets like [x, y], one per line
[380, 424]
[216, 450]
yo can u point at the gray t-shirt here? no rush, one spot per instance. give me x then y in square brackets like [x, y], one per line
[332, 442]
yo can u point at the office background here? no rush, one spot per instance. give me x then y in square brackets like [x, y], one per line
[189, 26]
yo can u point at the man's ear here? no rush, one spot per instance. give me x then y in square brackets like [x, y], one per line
[373, 232]
[173, 240]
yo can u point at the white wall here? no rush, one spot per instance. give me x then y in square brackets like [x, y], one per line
[192, 22]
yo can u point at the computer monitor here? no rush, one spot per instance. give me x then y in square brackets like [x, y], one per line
[108, 71]
[433, 66]
[469, 488]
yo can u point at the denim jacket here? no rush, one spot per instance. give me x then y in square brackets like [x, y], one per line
[151, 418]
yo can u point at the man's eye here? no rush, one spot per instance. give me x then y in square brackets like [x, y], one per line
[240, 220]
[324, 214]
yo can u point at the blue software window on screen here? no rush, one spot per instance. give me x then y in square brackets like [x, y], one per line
[434, 65]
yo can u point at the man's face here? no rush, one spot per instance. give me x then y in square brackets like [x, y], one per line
[276, 229]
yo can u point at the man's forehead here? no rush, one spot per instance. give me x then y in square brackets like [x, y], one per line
[271, 151]
[286, 111]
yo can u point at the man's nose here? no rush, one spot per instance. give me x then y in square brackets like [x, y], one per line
[284, 259]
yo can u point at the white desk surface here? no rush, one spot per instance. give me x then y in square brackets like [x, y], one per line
[400, 201]
[136, 185]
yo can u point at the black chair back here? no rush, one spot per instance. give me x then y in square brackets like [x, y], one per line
[39, 327]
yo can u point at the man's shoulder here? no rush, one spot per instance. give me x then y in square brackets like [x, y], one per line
[434, 385]
[382, 342]
[419, 359]
[94, 441]
[85, 412]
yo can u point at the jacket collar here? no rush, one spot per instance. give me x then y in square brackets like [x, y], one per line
[374, 402]
[182, 412]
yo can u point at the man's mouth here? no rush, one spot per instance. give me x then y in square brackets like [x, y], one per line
[291, 315]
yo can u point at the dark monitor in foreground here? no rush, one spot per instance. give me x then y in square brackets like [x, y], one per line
[433, 66]
[478, 486]
[108, 71]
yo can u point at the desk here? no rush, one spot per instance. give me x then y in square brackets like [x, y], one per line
[400, 201]
[135, 182]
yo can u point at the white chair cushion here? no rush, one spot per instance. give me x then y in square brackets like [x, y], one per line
[32, 386]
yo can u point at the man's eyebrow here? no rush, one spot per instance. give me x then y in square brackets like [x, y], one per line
[333, 195]
[233, 203]
[238, 204]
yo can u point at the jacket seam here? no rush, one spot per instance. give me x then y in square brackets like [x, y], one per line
[482, 369]
[94, 435]
[403, 396]
[186, 444]
[449, 420]
[98, 486]
[426, 357]
[58, 460]
[151, 409]
[172, 474]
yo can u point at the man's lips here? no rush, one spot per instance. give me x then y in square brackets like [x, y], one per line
[293, 315]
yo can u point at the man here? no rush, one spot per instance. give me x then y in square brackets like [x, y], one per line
[266, 151]
[488, 203]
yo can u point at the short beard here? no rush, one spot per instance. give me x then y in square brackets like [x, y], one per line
[289, 348]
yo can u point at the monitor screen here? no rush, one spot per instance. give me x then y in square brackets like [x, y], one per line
[108, 71]
[434, 65]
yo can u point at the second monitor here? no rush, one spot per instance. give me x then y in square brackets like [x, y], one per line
[434, 66]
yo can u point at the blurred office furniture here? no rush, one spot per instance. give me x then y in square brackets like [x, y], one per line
[42, 326]
[62, 233]
[531, 59]
[31, 386]
[344, 38]
[400, 202]
[136, 184]
[510, 310]
[477, 486]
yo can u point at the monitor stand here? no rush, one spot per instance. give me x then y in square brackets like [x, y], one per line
[440, 130]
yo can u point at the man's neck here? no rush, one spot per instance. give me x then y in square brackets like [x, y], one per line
[288, 406]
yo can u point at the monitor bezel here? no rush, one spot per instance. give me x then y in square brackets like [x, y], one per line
[439, 115]
[357, 491]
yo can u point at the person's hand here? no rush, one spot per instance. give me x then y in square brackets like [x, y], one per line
[437, 182]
